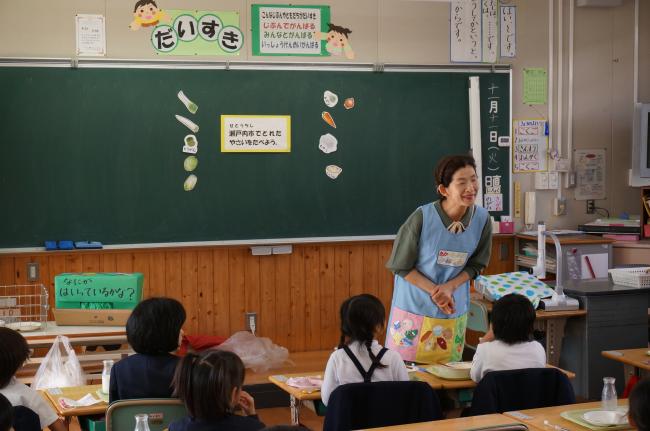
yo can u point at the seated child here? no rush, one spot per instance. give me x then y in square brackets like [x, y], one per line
[153, 331]
[509, 345]
[359, 355]
[639, 413]
[13, 354]
[210, 385]
[6, 414]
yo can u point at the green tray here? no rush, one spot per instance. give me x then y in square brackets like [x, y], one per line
[575, 416]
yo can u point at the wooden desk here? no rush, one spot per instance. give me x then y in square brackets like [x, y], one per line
[552, 415]
[296, 395]
[552, 323]
[75, 393]
[457, 424]
[635, 361]
[78, 335]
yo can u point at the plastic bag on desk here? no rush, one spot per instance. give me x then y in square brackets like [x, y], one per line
[60, 367]
[257, 353]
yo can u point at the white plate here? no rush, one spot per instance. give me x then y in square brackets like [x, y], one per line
[605, 418]
[24, 326]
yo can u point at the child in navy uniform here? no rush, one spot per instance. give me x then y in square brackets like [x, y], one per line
[154, 332]
[210, 385]
[360, 358]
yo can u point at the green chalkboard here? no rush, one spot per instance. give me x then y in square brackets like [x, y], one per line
[95, 153]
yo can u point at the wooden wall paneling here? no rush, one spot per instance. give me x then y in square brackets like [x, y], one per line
[205, 292]
[329, 320]
[189, 290]
[173, 275]
[57, 266]
[142, 263]
[20, 278]
[385, 293]
[157, 276]
[107, 262]
[283, 299]
[124, 261]
[356, 270]
[73, 262]
[252, 282]
[266, 319]
[370, 268]
[341, 282]
[312, 297]
[237, 285]
[221, 292]
[297, 325]
[7, 274]
[90, 262]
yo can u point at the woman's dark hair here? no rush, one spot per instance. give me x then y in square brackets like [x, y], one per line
[447, 167]
[13, 354]
[640, 405]
[205, 383]
[154, 325]
[6, 414]
[144, 3]
[513, 317]
[360, 317]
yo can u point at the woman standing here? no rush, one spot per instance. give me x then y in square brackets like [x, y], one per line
[439, 248]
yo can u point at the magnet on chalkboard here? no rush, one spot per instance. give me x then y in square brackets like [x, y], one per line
[545, 128]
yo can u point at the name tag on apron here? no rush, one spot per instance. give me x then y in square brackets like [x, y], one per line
[451, 258]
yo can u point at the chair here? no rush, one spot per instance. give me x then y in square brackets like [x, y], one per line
[529, 388]
[377, 404]
[477, 324]
[25, 419]
[120, 414]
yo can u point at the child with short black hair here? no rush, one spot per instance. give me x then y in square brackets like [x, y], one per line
[359, 355]
[509, 344]
[210, 385]
[13, 354]
[6, 414]
[639, 413]
[154, 331]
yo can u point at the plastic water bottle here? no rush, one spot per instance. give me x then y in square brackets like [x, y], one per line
[106, 375]
[608, 400]
[142, 422]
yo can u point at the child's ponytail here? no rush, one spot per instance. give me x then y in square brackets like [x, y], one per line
[361, 315]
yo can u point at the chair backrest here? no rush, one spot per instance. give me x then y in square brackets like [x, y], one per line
[369, 405]
[25, 419]
[120, 414]
[528, 388]
[477, 323]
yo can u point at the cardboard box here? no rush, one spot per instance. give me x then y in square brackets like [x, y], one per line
[98, 290]
[79, 317]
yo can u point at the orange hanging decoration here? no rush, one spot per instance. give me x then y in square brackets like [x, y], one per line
[327, 117]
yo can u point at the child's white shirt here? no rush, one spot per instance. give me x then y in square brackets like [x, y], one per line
[498, 356]
[340, 369]
[19, 394]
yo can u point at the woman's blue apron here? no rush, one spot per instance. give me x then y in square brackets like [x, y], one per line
[417, 328]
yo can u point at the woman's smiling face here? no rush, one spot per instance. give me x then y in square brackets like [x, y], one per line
[463, 187]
